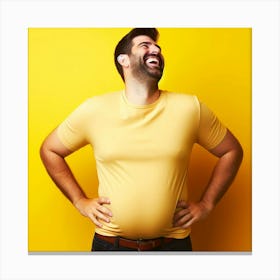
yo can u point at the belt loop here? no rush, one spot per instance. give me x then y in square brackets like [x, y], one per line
[138, 245]
[117, 241]
[162, 242]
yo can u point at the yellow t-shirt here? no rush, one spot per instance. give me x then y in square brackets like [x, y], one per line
[142, 154]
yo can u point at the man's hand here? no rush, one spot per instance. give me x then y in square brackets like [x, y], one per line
[190, 213]
[93, 208]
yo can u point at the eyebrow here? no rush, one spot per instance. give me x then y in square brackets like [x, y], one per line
[149, 43]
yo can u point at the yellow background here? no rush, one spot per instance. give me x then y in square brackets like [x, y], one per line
[68, 65]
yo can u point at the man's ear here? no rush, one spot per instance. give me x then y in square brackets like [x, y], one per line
[123, 60]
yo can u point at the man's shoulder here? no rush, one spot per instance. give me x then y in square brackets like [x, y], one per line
[180, 96]
[98, 102]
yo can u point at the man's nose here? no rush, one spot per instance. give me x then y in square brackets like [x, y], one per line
[154, 49]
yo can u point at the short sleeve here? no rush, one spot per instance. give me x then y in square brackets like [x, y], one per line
[72, 132]
[211, 131]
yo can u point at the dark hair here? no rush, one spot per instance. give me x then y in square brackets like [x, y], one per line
[125, 44]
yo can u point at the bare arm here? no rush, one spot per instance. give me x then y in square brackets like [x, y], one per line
[52, 153]
[230, 155]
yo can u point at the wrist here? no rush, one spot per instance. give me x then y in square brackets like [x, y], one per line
[207, 204]
[78, 201]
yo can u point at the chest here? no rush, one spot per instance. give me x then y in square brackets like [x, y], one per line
[146, 136]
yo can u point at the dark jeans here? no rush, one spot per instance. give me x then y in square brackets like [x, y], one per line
[175, 245]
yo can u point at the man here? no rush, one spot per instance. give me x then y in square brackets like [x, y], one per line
[142, 139]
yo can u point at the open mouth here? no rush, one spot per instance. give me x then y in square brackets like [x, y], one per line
[153, 61]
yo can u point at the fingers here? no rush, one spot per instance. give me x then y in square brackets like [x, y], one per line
[189, 213]
[182, 204]
[184, 221]
[102, 213]
[104, 210]
[187, 223]
[182, 218]
[94, 209]
[179, 214]
[103, 200]
[183, 214]
[186, 216]
[95, 220]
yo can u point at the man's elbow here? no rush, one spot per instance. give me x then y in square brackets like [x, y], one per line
[43, 151]
[52, 147]
[238, 151]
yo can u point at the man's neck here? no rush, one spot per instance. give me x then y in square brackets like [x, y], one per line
[140, 93]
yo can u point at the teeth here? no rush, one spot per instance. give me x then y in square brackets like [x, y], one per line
[152, 60]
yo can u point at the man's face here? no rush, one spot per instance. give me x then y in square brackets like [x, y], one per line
[146, 59]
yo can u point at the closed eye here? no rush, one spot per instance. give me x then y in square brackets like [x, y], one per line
[147, 44]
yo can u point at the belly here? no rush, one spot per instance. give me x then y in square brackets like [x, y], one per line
[143, 198]
[141, 216]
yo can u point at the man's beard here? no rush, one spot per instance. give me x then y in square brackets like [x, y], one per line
[142, 71]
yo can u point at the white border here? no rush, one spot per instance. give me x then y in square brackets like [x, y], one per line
[17, 16]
